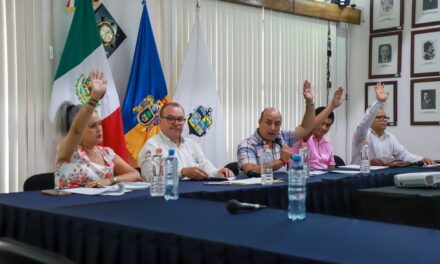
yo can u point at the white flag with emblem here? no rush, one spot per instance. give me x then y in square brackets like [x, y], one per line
[197, 93]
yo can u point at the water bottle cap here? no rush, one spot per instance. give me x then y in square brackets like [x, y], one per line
[365, 141]
[304, 144]
[296, 158]
[159, 151]
[171, 152]
[266, 146]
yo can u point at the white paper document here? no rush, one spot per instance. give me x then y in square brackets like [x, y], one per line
[346, 171]
[358, 167]
[248, 181]
[317, 172]
[213, 178]
[218, 178]
[434, 165]
[117, 189]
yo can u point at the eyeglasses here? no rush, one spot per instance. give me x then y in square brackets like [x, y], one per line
[172, 120]
[383, 118]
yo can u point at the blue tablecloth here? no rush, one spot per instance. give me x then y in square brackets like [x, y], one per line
[151, 230]
[136, 228]
[330, 193]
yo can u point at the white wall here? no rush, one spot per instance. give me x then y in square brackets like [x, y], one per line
[417, 139]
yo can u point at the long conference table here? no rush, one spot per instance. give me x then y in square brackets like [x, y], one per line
[137, 228]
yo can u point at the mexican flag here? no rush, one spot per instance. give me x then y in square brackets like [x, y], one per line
[83, 53]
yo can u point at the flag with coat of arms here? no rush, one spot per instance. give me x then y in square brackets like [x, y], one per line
[146, 91]
[83, 53]
[197, 93]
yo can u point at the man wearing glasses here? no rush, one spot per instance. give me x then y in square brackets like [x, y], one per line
[382, 144]
[192, 163]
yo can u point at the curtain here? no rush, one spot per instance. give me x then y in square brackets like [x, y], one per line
[26, 135]
[260, 59]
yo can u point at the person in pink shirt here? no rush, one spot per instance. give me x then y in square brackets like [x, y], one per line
[321, 150]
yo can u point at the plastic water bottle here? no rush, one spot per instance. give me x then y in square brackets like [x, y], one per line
[147, 167]
[297, 191]
[365, 158]
[171, 177]
[157, 187]
[266, 166]
[304, 152]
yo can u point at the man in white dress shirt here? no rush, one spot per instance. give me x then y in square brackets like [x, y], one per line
[382, 144]
[192, 163]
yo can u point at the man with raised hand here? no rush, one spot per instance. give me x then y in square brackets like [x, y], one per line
[382, 144]
[280, 141]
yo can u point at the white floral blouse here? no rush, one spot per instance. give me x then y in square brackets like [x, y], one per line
[80, 170]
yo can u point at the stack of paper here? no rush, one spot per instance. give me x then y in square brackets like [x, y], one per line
[248, 181]
[358, 167]
[117, 189]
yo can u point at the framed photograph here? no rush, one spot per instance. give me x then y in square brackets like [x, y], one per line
[391, 103]
[425, 108]
[425, 53]
[386, 15]
[425, 13]
[385, 55]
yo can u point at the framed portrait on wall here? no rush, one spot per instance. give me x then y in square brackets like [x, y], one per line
[425, 53]
[386, 15]
[385, 55]
[425, 13]
[425, 101]
[391, 103]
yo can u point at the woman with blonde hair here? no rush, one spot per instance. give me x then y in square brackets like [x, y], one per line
[80, 161]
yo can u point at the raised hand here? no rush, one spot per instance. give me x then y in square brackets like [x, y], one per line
[99, 85]
[307, 92]
[338, 97]
[381, 94]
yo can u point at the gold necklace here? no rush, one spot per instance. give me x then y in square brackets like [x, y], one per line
[96, 154]
[94, 158]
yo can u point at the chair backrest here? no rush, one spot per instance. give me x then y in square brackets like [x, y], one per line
[233, 166]
[12, 251]
[43, 181]
[339, 161]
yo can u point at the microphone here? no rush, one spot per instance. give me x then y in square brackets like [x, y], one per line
[278, 142]
[234, 206]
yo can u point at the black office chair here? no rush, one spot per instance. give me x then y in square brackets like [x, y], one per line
[12, 251]
[43, 181]
[233, 166]
[339, 161]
